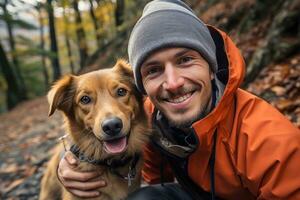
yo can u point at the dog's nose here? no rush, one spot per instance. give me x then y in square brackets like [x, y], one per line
[112, 126]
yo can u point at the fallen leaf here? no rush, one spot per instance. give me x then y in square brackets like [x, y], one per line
[283, 104]
[12, 168]
[294, 61]
[13, 184]
[30, 170]
[288, 104]
[278, 90]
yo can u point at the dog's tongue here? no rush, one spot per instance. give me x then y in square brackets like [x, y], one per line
[116, 146]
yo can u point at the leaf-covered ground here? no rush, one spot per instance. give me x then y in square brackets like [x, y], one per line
[27, 136]
[279, 84]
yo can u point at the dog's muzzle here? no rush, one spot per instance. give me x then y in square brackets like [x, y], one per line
[112, 127]
[114, 141]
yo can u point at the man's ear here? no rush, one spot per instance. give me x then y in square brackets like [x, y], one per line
[61, 94]
[211, 74]
[124, 68]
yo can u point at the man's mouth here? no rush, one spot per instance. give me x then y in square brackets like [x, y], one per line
[114, 146]
[179, 99]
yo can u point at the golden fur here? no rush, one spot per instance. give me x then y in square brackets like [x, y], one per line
[83, 123]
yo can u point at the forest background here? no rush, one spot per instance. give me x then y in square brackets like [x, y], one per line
[41, 40]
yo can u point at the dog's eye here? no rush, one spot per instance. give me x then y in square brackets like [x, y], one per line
[121, 92]
[85, 100]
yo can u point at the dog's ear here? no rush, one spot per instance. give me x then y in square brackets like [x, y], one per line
[124, 68]
[61, 94]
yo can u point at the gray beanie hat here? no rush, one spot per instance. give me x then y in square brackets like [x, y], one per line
[168, 23]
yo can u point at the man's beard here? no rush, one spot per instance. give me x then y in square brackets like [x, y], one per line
[202, 112]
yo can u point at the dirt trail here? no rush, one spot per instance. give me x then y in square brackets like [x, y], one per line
[27, 135]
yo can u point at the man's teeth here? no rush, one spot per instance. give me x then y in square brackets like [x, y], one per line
[180, 99]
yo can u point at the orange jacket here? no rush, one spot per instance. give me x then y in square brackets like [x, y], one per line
[257, 148]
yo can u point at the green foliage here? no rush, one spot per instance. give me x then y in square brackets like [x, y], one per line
[18, 23]
[33, 76]
[116, 47]
[32, 49]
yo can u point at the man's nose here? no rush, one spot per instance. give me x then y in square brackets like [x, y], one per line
[173, 79]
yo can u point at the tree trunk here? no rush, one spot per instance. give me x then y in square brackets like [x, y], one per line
[68, 45]
[42, 46]
[12, 44]
[13, 92]
[95, 22]
[119, 13]
[82, 44]
[53, 45]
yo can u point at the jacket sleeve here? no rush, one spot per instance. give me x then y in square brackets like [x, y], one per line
[269, 155]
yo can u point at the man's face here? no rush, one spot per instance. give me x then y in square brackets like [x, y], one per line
[178, 82]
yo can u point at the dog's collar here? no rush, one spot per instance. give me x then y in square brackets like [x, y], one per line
[111, 163]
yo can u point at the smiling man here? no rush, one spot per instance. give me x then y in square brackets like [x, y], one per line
[216, 139]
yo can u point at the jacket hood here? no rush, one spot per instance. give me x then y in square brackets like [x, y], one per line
[231, 70]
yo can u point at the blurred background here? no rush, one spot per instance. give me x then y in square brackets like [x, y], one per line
[40, 40]
[44, 39]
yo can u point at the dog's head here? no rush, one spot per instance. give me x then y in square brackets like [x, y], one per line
[102, 109]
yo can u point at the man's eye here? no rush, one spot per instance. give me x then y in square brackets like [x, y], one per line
[121, 92]
[85, 100]
[185, 59]
[152, 71]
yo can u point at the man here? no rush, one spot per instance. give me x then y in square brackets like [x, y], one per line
[219, 140]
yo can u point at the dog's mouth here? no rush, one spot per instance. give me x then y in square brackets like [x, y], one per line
[114, 146]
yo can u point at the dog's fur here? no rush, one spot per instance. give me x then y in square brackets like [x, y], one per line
[83, 123]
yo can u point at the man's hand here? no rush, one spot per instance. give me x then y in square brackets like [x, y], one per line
[81, 184]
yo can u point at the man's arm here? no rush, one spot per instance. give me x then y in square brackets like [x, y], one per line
[275, 167]
[268, 154]
[81, 184]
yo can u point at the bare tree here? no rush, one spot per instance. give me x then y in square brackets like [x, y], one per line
[39, 7]
[53, 45]
[82, 43]
[96, 23]
[119, 13]
[67, 39]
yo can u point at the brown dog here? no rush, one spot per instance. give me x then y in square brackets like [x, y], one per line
[105, 118]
